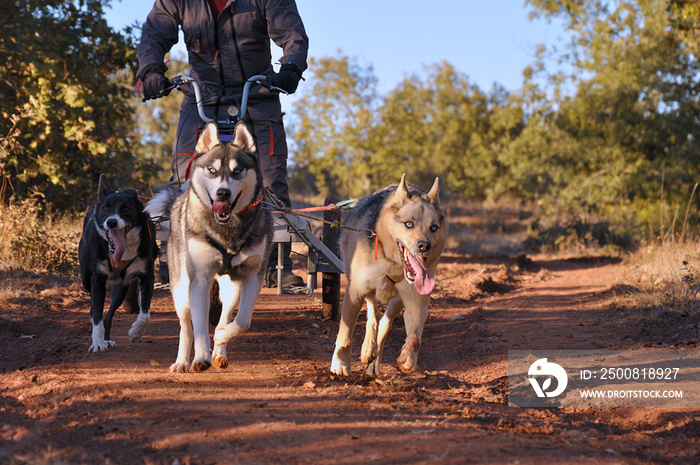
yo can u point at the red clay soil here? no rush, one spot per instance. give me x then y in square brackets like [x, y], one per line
[278, 402]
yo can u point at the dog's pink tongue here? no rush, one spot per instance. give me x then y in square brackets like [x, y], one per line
[424, 282]
[221, 208]
[119, 246]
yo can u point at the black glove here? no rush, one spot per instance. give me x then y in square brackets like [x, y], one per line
[155, 84]
[288, 78]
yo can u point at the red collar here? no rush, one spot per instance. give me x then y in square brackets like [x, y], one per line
[253, 205]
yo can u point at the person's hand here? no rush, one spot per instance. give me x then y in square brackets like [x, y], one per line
[288, 78]
[155, 85]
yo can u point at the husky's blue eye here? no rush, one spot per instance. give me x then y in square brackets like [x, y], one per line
[408, 224]
[237, 171]
[212, 170]
[434, 228]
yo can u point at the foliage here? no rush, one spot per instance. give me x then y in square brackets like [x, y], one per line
[157, 123]
[605, 130]
[579, 237]
[441, 125]
[333, 129]
[630, 127]
[685, 19]
[667, 278]
[66, 116]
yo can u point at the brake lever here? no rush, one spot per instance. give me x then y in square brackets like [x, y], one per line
[267, 84]
[279, 90]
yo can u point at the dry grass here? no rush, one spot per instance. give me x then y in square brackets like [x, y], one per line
[487, 229]
[32, 240]
[667, 277]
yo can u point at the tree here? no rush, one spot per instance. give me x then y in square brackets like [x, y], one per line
[442, 125]
[353, 141]
[66, 100]
[685, 18]
[632, 118]
[157, 123]
[333, 126]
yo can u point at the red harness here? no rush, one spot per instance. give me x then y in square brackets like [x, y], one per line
[253, 205]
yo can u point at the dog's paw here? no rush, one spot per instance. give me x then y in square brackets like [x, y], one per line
[178, 367]
[408, 358]
[367, 358]
[200, 366]
[407, 362]
[373, 368]
[340, 368]
[101, 346]
[219, 362]
[139, 327]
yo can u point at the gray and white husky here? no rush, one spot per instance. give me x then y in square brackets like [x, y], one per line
[218, 231]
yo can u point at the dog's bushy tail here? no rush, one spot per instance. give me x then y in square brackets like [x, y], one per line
[162, 202]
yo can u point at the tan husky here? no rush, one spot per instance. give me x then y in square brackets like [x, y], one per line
[396, 266]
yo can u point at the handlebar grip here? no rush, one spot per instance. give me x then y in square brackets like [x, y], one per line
[174, 83]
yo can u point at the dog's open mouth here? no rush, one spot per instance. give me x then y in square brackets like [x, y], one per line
[116, 238]
[414, 270]
[222, 210]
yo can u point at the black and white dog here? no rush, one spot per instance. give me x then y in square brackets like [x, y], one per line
[118, 245]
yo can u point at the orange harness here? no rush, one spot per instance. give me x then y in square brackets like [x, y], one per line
[253, 205]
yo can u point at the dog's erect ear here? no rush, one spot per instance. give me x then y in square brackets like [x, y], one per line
[135, 197]
[434, 194]
[208, 139]
[243, 138]
[401, 191]
[104, 188]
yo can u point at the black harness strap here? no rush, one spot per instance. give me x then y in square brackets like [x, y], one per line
[225, 255]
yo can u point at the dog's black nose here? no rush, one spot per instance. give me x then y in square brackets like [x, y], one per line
[112, 223]
[222, 195]
[424, 246]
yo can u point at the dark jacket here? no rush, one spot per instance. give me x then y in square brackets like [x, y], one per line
[225, 51]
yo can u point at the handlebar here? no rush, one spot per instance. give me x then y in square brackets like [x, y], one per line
[260, 79]
[180, 80]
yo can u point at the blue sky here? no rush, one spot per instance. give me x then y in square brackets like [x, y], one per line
[490, 41]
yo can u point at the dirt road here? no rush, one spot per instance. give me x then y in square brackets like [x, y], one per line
[278, 403]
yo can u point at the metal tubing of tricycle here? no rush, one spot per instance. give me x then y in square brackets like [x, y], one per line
[246, 88]
[280, 266]
[312, 260]
[197, 97]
